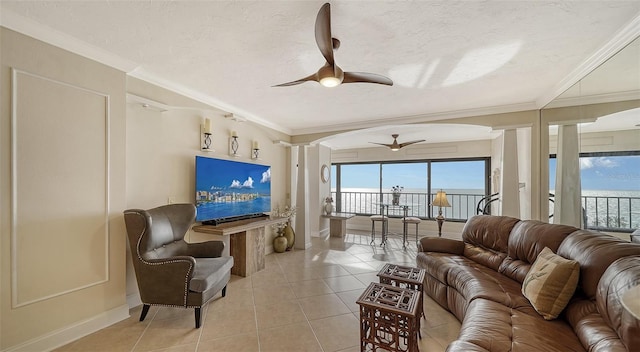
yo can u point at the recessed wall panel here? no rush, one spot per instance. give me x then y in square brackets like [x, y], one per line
[59, 188]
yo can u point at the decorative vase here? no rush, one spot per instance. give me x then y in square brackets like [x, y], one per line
[280, 243]
[328, 208]
[396, 199]
[289, 235]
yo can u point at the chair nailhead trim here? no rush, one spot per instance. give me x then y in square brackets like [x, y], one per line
[186, 279]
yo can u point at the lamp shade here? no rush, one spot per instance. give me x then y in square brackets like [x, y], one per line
[441, 200]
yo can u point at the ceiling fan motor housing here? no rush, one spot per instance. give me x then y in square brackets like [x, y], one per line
[330, 75]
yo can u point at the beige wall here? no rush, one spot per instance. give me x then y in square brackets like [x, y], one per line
[66, 275]
[62, 177]
[161, 150]
[318, 155]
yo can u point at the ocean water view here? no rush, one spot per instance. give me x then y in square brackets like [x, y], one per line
[604, 209]
[610, 209]
[368, 201]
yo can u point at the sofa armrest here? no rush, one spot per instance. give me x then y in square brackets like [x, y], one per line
[442, 245]
[209, 249]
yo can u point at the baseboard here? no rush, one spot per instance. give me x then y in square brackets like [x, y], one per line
[133, 300]
[71, 333]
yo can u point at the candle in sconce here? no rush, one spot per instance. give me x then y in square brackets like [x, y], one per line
[207, 126]
[234, 134]
[255, 145]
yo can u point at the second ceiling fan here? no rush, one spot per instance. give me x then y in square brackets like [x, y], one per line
[331, 75]
[395, 146]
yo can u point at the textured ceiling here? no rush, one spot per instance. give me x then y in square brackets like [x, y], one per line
[443, 56]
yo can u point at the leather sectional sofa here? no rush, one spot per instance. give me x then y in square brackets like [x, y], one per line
[480, 279]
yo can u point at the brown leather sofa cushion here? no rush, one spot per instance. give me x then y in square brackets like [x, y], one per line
[620, 276]
[486, 239]
[595, 252]
[495, 327]
[529, 237]
[526, 241]
[438, 265]
[441, 245]
[489, 232]
[474, 281]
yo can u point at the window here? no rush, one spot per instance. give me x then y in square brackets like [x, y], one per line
[610, 189]
[465, 183]
[360, 187]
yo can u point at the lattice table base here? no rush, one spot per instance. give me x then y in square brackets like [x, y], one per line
[388, 318]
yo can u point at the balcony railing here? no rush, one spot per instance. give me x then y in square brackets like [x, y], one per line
[602, 213]
[608, 213]
[463, 206]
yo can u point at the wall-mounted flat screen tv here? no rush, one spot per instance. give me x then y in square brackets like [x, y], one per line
[228, 190]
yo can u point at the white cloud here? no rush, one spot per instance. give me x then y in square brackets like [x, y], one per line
[585, 163]
[248, 183]
[588, 163]
[266, 176]
[606, 162]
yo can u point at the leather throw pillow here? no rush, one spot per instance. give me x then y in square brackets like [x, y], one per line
[550, 283]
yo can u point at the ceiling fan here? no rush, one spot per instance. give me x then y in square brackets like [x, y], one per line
[331, 75]
[395, 146]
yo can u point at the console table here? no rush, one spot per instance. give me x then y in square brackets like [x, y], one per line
[247, 243]
[338, 223]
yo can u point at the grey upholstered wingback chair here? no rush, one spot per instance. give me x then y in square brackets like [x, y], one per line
[170, 271]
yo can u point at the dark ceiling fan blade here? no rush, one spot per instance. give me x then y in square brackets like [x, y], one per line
[386, 145]
[395, 145]
[402, 145]
[364, 77]
[323, 33]
[312, 77]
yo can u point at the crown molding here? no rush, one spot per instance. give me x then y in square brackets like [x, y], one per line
[142, 74]
[594, 99]
[37, 30]
[436, 116]
[622, 38]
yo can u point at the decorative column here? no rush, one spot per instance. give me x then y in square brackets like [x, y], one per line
[303, 234]
[509, 187]
[568, 203]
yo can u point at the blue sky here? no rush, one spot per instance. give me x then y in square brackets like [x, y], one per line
[449, 175]
[619, 173]
[597, 173]
[232, 176]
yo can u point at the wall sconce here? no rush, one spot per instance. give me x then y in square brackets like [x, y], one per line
[205, 136]
[255, 150]
[233, 144]
[440, 201]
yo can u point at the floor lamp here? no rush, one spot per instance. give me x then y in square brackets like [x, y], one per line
[440, 201]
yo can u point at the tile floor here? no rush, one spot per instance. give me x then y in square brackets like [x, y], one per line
[304, 300]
